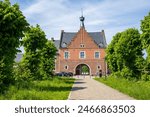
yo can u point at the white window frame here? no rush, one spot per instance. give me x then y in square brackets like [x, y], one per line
[95, 55]
[68, 55]
[82, 45]
[80, 54]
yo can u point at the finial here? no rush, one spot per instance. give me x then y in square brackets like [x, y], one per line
[82, 18]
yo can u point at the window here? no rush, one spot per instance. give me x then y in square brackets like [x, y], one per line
[101, 45]
[82, 55]
[98, 67]
[66, 67]
[96, 54]
[66, 55]
[82, 45]
[64, 44]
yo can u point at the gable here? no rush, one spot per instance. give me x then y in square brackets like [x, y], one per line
[67, 38]
[82, 40]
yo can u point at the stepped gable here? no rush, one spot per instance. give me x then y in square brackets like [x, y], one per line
[98, 37]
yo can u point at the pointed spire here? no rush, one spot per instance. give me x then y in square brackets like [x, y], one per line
[82, 19]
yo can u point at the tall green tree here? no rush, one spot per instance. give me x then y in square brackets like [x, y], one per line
[145, 37]
[145, 28]
[129, 51]
[48, 55]
[12, 26]
[111, 57]
[33, 42]
[124, 54]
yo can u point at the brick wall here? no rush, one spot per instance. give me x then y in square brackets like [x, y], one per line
[74, 49]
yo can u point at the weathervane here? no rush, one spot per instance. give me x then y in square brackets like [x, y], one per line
[82, 19]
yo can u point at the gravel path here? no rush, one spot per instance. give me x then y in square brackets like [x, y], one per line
[86, 88]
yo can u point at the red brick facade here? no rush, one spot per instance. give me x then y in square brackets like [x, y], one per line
[81, 42]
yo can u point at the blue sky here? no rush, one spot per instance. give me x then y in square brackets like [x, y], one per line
[111, 15]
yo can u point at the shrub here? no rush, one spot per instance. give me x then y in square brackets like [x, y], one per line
[127, 73]
[117, 74]
[22, 73]
[145, 77]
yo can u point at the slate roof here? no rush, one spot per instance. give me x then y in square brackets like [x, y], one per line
[57, 43]
[98, 37]
[66, 38]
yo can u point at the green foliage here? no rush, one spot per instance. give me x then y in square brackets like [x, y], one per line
[111, 57]
[136, 89]
[47, 65]
[85, 69]
[129, 50]
[124, 54]
[22, 73]
[12, 26]
[127, 73]
[33, 42]
[145, 77]
[145, 28]
[52, 89]
[39, 59]
[145, 37]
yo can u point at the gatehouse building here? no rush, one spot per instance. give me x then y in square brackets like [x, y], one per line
[81, 52]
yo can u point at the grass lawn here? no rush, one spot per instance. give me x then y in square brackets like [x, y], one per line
[54, 89]
[135, 89]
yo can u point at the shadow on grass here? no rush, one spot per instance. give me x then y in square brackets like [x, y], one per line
[51, 88]
[69, 82]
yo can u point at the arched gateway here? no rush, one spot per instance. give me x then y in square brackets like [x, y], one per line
[82, 69]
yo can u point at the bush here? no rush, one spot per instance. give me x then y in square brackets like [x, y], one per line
[117, 74]
[127, 73]
[145, 77]
[22, 73]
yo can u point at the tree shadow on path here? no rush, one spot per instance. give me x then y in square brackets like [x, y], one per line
[78, 88]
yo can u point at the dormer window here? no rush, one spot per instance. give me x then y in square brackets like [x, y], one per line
[100, 45]
[64, 44]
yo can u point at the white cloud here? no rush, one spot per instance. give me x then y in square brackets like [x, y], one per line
[42, 7]
[110, 15]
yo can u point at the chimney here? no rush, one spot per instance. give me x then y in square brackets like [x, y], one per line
[62, 31]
